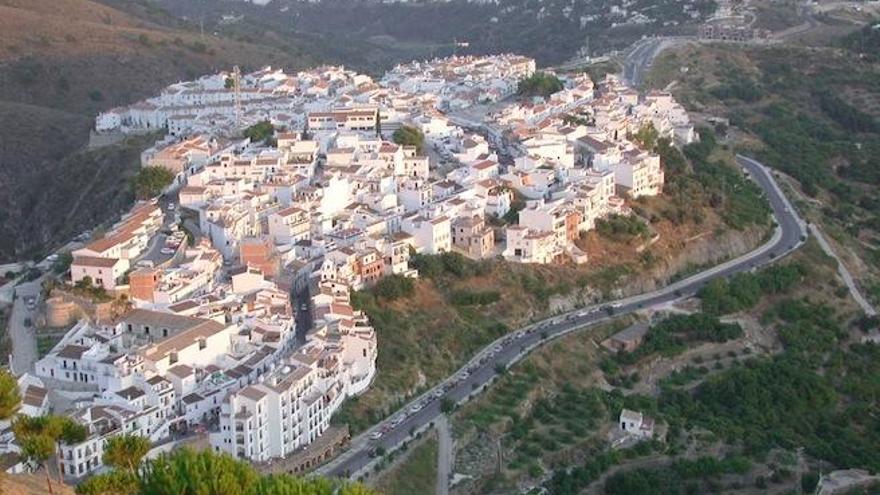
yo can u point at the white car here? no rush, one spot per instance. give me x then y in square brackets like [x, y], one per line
[167, 251]
[376, 435]
[415, 408]
[171, 206]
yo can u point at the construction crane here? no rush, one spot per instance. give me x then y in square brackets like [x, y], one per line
[459, 44]
[236, 94]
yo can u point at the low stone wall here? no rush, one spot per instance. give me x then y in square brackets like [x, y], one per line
[95, 311]
[313, 455]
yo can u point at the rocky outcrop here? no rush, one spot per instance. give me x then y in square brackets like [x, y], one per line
[695, 255]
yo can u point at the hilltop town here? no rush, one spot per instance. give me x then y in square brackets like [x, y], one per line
[224, 304]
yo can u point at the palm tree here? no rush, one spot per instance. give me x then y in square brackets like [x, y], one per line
[125, 452]
[10, 399]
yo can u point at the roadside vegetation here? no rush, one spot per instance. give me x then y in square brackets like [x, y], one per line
[672, 336]
[735, 397]
[415, 473]
[742, 291]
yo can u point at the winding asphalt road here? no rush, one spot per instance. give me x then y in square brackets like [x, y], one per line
[473, 378]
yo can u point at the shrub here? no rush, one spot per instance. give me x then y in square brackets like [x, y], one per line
[151, 181]
[539, 84]
[621, 227]
[394, 287]
[259, 132]
[409, 136]
[475, 298]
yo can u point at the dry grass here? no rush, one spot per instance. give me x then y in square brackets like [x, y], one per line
[31, 484]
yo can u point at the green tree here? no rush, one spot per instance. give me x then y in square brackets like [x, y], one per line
[38, 437]
[149, 182]
[125, 452]
[647, 136]
[409, 136]
[539, 84]
[447, 405]
[37, 449]
[186, 472]
[378, 124]
[84, 283]
[260, 132]
[112, 483]
[10, 399]
[62, 264]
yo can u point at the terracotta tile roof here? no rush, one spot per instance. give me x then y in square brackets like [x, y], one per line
[94, 261]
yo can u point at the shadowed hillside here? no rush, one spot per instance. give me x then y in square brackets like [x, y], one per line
[61, 62]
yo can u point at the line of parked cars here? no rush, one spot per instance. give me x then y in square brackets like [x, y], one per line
[172, 242]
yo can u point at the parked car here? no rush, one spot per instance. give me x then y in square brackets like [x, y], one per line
[167, 251]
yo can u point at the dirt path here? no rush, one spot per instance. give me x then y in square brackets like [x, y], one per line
[843, 272]
[444, 455]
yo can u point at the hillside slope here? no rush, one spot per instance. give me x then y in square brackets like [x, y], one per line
[61, 62]
[812, 113]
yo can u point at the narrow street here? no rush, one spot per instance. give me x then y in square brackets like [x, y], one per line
[21, 328]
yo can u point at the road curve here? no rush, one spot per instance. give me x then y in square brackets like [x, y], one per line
[790, 233]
